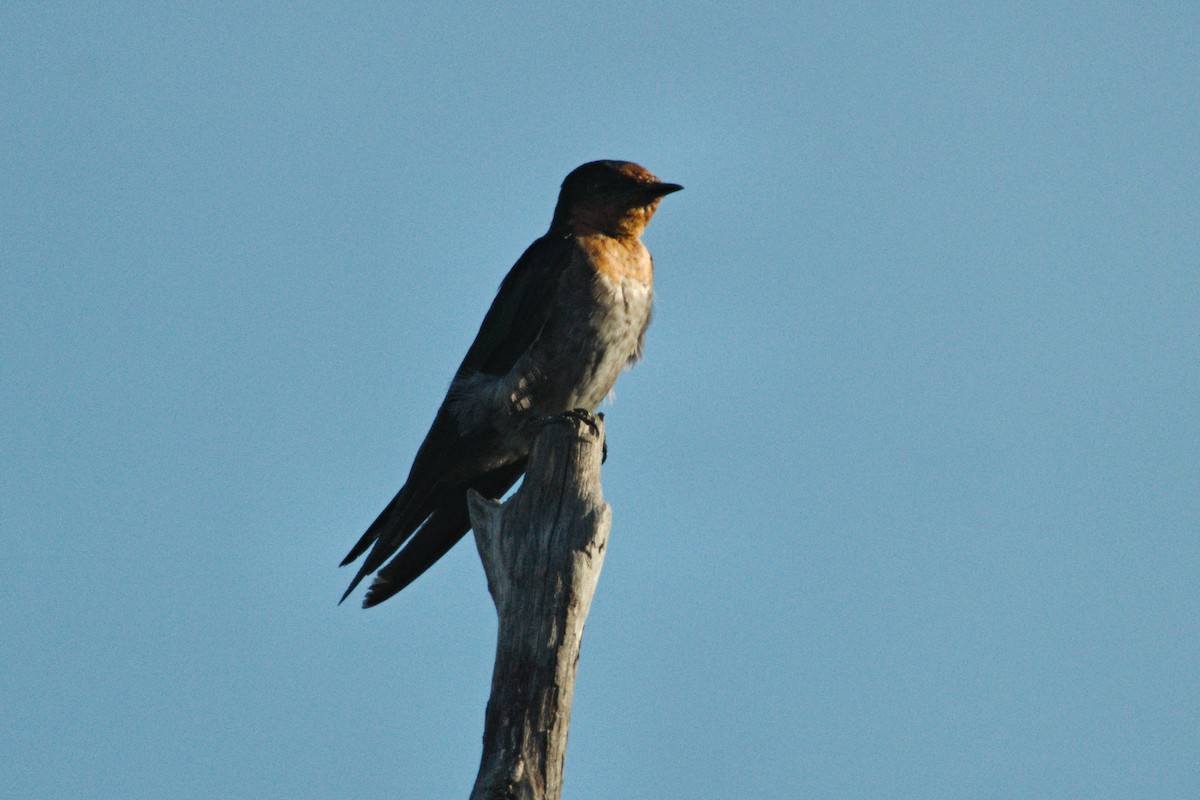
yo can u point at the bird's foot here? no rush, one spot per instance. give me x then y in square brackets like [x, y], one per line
[587, 418]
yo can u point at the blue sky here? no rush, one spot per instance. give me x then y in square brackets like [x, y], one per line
[906, 492]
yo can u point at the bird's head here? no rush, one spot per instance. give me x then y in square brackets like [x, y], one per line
[614, 197]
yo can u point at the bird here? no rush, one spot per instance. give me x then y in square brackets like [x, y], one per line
[570, 315]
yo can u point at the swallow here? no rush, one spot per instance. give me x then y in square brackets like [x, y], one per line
[570, 315]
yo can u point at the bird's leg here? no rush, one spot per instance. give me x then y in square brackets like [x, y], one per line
[584, 416]
[604, 444]
[589, 419]
[580, 414]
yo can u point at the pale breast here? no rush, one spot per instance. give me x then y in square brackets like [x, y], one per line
[600, 312]
[621, 273]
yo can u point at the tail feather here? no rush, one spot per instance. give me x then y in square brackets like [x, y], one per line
[375, 527]
[444, 528]
[389, 531]
[441, 531]
[438, 456]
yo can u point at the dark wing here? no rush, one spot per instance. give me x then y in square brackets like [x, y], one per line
[511, 325]
[521, 306]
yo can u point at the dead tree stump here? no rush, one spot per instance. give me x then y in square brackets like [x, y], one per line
[542, 551]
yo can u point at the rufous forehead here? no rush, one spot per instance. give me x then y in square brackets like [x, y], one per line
[637, 172]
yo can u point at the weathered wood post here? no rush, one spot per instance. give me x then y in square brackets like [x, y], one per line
[542, 552]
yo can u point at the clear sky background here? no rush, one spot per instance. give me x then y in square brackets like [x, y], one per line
[906, 492]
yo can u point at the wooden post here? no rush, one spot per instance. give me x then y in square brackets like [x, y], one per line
[542, 552]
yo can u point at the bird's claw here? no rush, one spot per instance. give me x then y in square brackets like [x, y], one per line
[586, 417]
[589, 419]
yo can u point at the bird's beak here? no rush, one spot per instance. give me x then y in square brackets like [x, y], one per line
[663, 189]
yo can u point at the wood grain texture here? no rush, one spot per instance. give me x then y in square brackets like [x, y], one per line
[542, 551]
